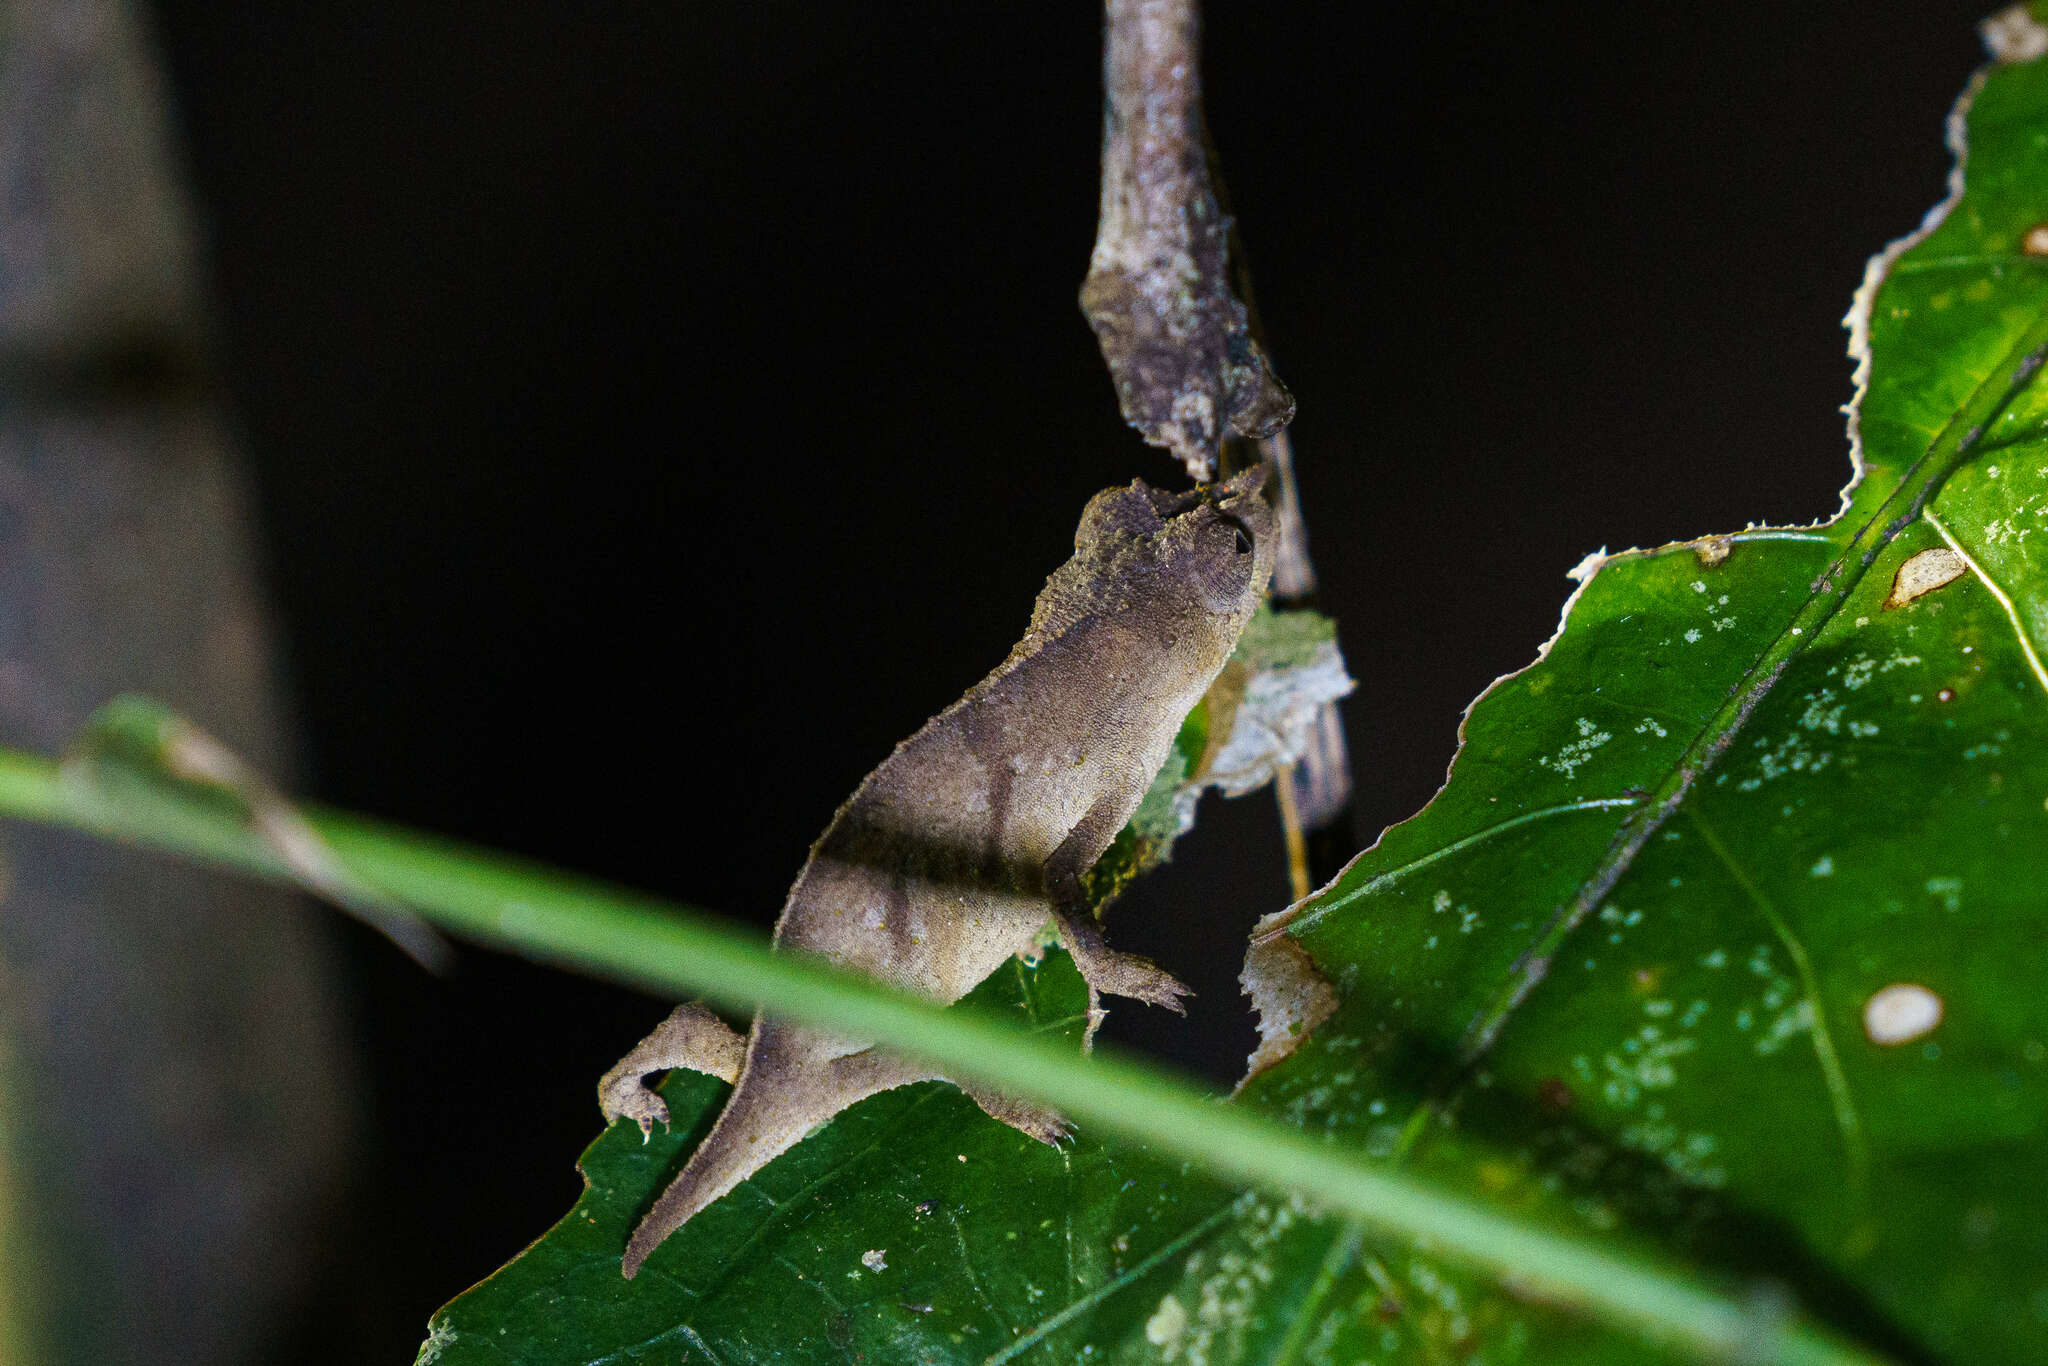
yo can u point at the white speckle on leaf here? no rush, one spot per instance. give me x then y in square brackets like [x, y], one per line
[1787, 1024]
[1824, 866]
[1792, 754]
[873, 1259]
[1568, 759]
[1644, 1064]
[1949, 889]
[1692, 636]
[1168, 1322]
[1819, 715]
[1900, 1013]
[1685, 1155]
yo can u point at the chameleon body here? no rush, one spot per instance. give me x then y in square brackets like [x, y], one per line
[954, 854]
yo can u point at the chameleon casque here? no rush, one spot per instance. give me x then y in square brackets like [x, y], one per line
[954, 854]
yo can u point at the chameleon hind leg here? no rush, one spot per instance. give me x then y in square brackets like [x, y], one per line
[874, 1071]
[690, 1037]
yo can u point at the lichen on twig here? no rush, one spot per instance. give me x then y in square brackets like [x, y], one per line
[1178, 339]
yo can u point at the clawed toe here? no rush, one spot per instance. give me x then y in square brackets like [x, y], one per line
[1049, 1127]
[1143, 981]
[1169, 997]
[644, 1108]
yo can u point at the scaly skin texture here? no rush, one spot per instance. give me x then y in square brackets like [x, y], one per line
[954, 854]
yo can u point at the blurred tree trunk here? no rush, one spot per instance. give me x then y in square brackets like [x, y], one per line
[176, 1094]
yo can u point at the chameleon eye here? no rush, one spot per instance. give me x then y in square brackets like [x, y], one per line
[1243, 535]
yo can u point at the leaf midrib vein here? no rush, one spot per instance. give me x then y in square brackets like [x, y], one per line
[1950, 450]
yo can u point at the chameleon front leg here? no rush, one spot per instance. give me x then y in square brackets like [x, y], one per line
[1106, 971]
[690, 1037]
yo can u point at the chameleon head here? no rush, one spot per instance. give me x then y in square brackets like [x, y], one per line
[1205, 554]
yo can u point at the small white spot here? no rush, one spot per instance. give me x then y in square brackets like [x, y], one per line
[1168, 1322]
[1692, 637]
[873, 1260]
[1824, 866]
[1900, 1013]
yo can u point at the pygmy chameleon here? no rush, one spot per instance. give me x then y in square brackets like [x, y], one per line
[954, 854]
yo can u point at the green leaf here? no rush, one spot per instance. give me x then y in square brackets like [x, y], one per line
[1661, 965]
[907, 1230]
[1666, 953]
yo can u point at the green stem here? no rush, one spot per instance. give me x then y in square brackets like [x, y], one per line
[493, 900]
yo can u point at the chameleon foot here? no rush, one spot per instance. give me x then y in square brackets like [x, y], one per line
[1033, 1121]
[690, 1037]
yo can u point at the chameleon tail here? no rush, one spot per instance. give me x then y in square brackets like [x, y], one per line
[793, 1082]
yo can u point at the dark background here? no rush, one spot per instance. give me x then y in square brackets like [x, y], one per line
[659, 409]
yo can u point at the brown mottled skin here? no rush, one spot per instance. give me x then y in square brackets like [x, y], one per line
[954, 854]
